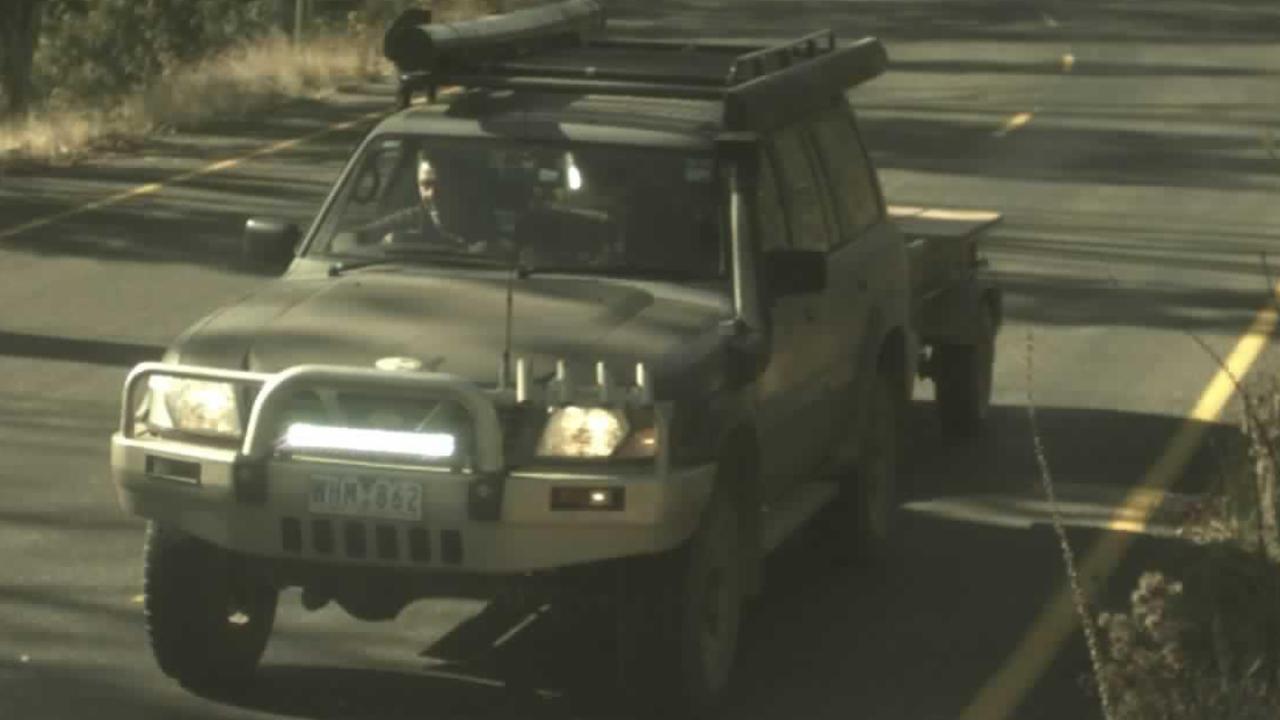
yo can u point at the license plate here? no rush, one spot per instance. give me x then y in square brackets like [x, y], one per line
[366, 496]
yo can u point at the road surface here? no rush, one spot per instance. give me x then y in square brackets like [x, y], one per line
[1129, 145]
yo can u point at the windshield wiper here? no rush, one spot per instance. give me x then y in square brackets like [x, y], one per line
[616, 272]
[394, 255]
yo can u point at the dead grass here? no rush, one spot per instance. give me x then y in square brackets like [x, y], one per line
[240, 81]
[452, 10]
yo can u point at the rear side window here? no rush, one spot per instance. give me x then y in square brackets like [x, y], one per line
[801, 191]
[770, 219]
[852, 181]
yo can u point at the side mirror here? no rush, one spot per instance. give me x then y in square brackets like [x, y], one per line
[795, 272]
[269, 245]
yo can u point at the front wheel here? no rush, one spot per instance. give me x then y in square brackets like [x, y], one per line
[208, 619]
[680, 617]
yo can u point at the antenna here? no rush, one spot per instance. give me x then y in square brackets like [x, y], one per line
[504, 378]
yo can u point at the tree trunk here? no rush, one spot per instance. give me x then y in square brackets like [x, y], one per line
[19, 30]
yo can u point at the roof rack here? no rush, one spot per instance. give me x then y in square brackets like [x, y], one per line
[563, 48]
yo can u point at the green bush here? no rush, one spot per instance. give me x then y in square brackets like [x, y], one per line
[92, 49]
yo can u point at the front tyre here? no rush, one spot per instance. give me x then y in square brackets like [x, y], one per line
[681, 615]
[208, 619]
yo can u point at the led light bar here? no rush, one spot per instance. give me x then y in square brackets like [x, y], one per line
[305, 436]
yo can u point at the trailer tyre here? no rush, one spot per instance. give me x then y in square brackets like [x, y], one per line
[962, 381]
[207, 618]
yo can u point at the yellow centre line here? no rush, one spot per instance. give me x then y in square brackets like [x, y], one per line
[215, 167]
[1068, 62]
[1005, 690]
[1014, 123]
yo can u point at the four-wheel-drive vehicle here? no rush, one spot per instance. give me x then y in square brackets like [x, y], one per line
[607, 318]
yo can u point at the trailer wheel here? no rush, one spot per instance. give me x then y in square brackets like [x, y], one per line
[207, 619]
[679, 618]
[962, 381]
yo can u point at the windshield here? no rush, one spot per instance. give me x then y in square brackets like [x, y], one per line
[590, 209]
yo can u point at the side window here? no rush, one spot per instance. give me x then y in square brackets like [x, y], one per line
[802, 191]
[770, 219]
[857, 198]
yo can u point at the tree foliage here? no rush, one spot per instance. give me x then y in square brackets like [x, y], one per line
[19, 29]
[97, 48]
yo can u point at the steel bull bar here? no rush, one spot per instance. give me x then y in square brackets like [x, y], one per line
[249, 497]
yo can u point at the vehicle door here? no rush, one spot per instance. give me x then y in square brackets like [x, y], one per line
[795, 422]
[861, 263]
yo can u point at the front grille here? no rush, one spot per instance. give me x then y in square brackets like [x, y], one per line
[521, 428]
[387, 542]
[391, 543]
[356, 540]
[419, 545]
[322, 536]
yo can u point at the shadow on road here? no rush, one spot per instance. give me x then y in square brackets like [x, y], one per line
[912, 639]
[1236, 21]
[95, 352]
[1102, 154]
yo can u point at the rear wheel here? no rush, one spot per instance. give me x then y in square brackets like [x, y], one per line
[962, 380]
[872, 488]
[208, 619]
[859, 526]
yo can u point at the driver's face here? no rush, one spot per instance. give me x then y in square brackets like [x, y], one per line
[426, 183]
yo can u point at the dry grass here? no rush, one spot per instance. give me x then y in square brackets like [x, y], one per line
[1207, 646]
[451, 10]
[234, 83]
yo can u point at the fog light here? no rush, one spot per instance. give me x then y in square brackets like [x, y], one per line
[587, 498]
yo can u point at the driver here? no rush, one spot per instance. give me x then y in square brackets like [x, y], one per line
[420, 221]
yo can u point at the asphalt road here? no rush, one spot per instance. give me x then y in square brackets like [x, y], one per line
[1127, 144]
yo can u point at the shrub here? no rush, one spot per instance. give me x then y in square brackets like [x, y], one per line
[1208, 647]
[96, 50]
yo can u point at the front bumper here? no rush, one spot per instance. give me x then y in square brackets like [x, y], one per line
[513, 526]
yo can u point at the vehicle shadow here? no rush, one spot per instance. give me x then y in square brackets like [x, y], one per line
[96, 352]
[914, 636]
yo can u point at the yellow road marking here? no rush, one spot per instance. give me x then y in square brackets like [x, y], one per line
[154, 187]
[138, 599]
[1068, 62]
[1003, 692]
[1014, 123]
